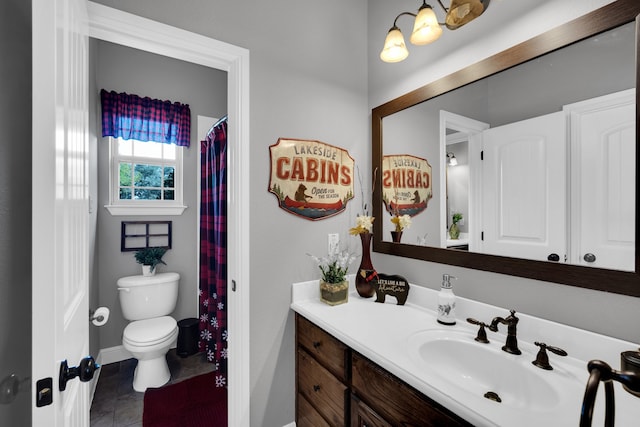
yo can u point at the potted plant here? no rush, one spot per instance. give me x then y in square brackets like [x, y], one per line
[454, 230]
[149, 258]
[334, 287]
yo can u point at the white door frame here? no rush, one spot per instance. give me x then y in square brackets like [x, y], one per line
[472, 129]
[130, 30]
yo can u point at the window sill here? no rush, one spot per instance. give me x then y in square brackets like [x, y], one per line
[118, 210]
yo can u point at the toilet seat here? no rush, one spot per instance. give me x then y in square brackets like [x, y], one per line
[149, 332]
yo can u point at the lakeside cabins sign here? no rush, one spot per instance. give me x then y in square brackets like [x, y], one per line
[406, 184]
[311, 179]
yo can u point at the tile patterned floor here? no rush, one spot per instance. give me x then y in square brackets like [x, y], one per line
[117, 404]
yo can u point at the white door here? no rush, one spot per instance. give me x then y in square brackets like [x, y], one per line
[524, 189]
[603, 154]
[60, 208]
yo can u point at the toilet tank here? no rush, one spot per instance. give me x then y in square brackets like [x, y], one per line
[143, 297]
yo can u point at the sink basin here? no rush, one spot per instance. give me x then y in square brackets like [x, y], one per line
[483, 371]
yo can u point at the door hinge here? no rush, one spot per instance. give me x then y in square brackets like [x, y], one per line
[482, 155]
[44, 392]
[233, 285]
[482, 235]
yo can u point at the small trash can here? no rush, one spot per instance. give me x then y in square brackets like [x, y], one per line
[187, 337]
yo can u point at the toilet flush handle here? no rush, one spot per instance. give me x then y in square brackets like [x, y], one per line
[124, 289]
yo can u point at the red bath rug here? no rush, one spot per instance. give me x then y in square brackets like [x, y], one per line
[194, 402]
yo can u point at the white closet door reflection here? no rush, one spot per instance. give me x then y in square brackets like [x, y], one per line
[603, 147]
[524, 191]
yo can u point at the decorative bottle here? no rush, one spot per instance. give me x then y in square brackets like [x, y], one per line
[446, 302]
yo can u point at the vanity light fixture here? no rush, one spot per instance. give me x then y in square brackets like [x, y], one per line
[427, 29]
[452, 159]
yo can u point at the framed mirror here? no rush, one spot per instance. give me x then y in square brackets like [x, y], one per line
[461, 114]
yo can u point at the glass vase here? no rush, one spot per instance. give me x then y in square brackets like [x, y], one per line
[454, 231]
[334, 293]
[366, 274]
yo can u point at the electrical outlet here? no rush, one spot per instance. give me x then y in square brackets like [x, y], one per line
[334, 243]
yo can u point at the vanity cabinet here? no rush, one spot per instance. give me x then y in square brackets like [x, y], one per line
[336, 386]
[389, 401]
[322, 393]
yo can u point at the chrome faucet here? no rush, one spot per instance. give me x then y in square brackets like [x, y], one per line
[511, 346]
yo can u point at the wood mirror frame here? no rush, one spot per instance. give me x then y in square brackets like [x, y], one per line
[627, 283]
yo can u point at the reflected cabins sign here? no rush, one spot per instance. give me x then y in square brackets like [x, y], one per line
[406, 184]
[311, 179]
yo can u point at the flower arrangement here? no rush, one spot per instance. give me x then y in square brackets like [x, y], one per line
[334, 267]
[334, 288]
[401, 221]
[364, 224]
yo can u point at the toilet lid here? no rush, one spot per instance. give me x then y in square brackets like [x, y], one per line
[150, 331]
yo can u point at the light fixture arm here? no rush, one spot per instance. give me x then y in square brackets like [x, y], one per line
[395, 21]
[446, 10]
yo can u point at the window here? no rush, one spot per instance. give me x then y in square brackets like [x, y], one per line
[145, 178]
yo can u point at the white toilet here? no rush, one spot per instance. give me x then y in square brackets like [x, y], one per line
[147, 303]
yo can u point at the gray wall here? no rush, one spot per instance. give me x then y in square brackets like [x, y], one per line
[129, 70]
[15, 205]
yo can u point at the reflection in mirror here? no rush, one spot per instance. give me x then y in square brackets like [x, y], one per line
[546, 155]
[459, 135]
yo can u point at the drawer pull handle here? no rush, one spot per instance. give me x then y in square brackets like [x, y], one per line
[316, 344]
[316, 388]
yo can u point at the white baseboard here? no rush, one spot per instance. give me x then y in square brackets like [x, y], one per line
[113, 355]
[106, 356]
[293, 424]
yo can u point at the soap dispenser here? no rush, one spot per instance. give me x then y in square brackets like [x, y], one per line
[446, 302]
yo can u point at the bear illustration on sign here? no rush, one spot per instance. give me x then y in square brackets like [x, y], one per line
[300, 195]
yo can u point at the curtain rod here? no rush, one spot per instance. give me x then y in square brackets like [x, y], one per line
[221, 120]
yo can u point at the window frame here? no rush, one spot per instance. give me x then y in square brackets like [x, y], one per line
[118, 207]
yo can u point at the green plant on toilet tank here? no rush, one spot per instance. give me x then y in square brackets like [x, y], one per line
[150, 256]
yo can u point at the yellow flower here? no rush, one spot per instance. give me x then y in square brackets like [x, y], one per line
[401, 221]
[364, 224]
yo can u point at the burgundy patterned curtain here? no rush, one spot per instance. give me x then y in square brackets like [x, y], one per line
[213, 250]
[144, 119]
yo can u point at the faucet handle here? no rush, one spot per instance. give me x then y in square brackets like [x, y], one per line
[482, 334]
[542, 359]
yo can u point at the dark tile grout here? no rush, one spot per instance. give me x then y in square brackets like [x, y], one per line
[117, 404]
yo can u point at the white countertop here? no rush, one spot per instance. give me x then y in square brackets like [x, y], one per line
[383, 334]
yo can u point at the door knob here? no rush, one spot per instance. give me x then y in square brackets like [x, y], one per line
[84, 371]
[589, 257]
[553, 257]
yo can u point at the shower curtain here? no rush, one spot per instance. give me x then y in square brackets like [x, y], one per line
[213, 249]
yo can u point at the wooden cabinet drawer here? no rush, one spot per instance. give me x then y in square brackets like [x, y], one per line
[321, 389]
[307, 414]
[327, 350]
[395, 401]
[363, 416]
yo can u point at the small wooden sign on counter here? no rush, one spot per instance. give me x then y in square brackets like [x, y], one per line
[393, 285]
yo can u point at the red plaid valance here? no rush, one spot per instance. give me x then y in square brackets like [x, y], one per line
[129, 116]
